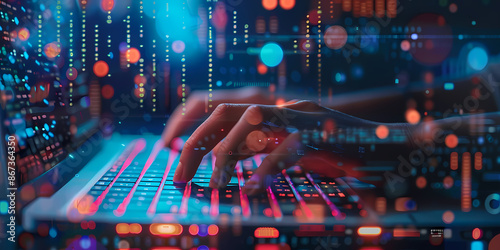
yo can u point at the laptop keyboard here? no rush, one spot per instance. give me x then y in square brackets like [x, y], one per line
[140, 181]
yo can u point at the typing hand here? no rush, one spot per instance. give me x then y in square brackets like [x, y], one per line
[197, 106]
[238, 131]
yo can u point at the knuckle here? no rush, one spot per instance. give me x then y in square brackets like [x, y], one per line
[223, 106]
[309, 103]
[222, 109]
[189, 144]
[253, 110]
[253, 115]
[223, 150]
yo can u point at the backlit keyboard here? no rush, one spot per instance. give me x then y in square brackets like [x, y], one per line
[140, 182]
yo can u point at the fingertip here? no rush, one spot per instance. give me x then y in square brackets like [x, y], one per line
[178, 176]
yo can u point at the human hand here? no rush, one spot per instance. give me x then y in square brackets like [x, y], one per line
[197, 106]
[238, 131]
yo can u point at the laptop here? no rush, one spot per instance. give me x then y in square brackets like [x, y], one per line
[74, 184]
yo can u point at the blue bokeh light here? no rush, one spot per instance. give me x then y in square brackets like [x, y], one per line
[477, 58]
[271, 54]
[175, 22]
[477, 245]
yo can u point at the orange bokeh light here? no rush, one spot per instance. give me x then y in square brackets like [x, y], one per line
[287, 4]
[335, 37]
[382, 132]
[448, 182]
[412, 116]
[280, 102]
[451, 141]
[107, 5]
[448, 217]
[52, 50]
[266, 232]
[101, 68]
[138, 79]
[405, 45]
[262, 69]
[194, 229]
[165, 230]
[269, 4]
[133, 55]
[421, 182]
[135, 228]
[122, 228]
[107, 91]
[213, 230]
[477, 233]
[24, 34]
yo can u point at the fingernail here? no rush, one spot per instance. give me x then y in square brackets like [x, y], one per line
[178, 174]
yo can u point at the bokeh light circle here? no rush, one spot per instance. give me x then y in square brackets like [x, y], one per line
[178, 46]
[107, 91]
[421, 182]
[287, 4]
[133, 55]
[405, 45]
[140, 79]
[448, 182]
[448, 217]
[219, 16]
[477, 58]
[271, 54]
[71, 74]
[335, 37]
[101, 69]
[451, 141]
[453, 8]
[435, 36]
[382, 132]
[269, 4]
[492, 203]
[477, 233]
[24, 34]
[85, 102]
[107, 5]
[52, 50]
[256, 141]
[412, 116]
[494, 243]
[262, 69]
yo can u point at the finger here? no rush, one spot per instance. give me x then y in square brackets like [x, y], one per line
[303, 105]
[234, 146]
[197, 106]
[205, 137]
[283, 157]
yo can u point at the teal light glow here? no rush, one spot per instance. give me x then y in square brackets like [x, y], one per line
[477, 58]
[271, 54]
